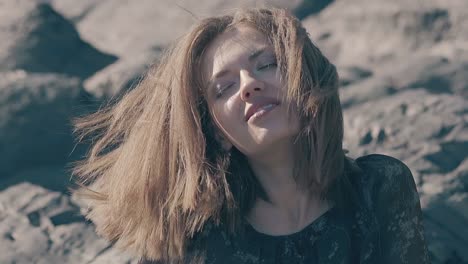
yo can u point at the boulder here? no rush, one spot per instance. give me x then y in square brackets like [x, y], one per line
[367, 32]
[51, 177]
[435, 74]
[36, 38]
[35, 119]
[134, 26]
[40, 226]
[121, 75]
[446, 215]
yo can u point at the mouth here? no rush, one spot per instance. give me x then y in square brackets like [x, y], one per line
[259, 110]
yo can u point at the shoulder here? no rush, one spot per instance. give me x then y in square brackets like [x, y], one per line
[381, 171]
[387, 180]
[390, 189]
[382, 166]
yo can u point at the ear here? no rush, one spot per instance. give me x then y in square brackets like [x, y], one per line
[225, 144]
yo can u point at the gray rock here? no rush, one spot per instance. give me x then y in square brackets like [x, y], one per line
[36, 203]
[372, 32]
[73, 10]
[51, 177]
[36, 38]
[310, 7]
[35, 112]
[28, 233]
[121, 75]
[446, 215]
[350, 75]
[135, 26]
[410, 121]
[437, 75]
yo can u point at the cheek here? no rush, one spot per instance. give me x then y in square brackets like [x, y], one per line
[225, 113]
[227, 116]
[278, 87]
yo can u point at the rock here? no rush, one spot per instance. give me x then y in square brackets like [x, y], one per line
[36, 203]
[52, 177]
[310, 7]
[36, 38]
[135, 26]
[409, 120]
[75, 11]
[28, 233]
[446, 216]
[373, 32]
[445, 77]
[450, 155]
[121, 75]
[35, 113]
[20, 242]
[437, 75]
[78, 243]
[350, 75]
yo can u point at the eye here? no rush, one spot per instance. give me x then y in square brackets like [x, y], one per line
[268, 65]
[220, 88]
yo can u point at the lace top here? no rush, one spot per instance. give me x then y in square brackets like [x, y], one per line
[386, 227]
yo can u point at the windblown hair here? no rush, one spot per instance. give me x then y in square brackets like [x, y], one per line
[155, 175]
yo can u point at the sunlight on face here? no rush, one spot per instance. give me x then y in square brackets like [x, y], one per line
[245, 92]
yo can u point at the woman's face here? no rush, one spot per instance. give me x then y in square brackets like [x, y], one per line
[245, 93]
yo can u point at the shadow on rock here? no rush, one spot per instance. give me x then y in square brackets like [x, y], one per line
[41, 40]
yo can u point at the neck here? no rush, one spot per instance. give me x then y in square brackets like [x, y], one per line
[274, 170]
[290, 207]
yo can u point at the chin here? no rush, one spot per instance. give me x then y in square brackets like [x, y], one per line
[268, 142]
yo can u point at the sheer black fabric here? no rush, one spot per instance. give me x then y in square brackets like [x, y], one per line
[386, 227]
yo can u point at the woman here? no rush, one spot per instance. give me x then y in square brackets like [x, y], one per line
[230, 151]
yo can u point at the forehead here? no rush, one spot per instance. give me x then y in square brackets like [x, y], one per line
[232, 46]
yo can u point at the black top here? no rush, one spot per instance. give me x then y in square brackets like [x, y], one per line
[386, 227]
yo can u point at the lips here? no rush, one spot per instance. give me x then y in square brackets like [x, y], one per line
[264, 104]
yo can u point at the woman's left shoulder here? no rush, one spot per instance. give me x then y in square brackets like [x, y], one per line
[385, 166]
[391, 191]
[387, 176]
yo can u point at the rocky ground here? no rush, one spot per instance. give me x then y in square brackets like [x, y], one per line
[404, 87]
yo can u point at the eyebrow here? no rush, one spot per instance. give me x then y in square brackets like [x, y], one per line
[256, 53]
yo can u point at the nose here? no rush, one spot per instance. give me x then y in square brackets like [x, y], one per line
[249, 85]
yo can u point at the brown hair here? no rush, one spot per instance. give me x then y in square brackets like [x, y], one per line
[156, 175]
